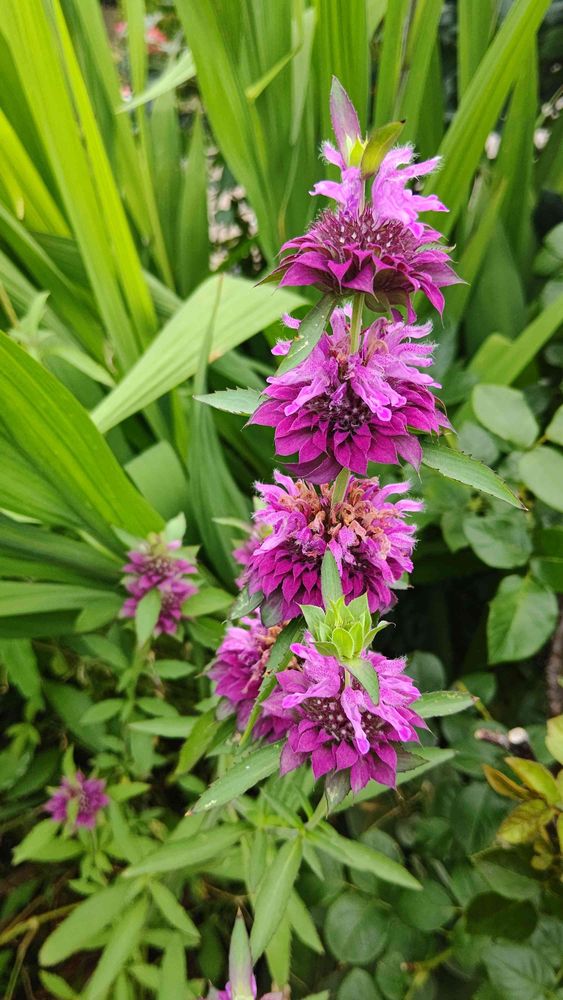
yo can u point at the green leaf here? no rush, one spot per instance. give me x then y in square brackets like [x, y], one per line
[177, 728]
[522, 616]
[496, 916]
[242, 401]
[115, 955]
[207, 601]
[439, 703]
[362, 857]
[245, 773]
[554, 429]
[518, 972]
[173, 972]
[54, 434]
[500, 540]
[356, 929]
[241, 311]
[173, 912]
[38, 837]
[303, 924]
[536, 777]
[310, 332]
[548, 572]
[273, 895]
[191, 852]
[427, 910]
[102, 711]
[88, 919]
[542, 472]
[463, 469]
[554, 738]
[366, 675]
[379, 144]
[507, 874]
[331, 583]
[176, 73]
[57, 986]
[505, 412]
[147, 614]
[198, 742]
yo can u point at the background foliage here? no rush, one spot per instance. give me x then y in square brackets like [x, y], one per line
[143, 187]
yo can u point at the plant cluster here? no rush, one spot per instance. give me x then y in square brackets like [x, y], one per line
[256, 741]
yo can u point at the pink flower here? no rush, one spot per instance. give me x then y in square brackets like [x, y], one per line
[90, 795]
[239, 668]
[154, 566]
[342, 410]
[366, 533]
[379, 248]
[336, 725]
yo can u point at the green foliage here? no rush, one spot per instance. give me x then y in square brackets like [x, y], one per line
[134, 228]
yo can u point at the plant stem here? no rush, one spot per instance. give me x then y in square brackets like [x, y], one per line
[356, 324]
[33, 923]
[319, 814]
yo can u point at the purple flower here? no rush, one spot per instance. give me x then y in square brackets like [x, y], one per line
[345, 252]
[336, 724]
[379, 247]
[90, 795]
[366, 533]
[239, 668]
[342, 410]
[154, 566]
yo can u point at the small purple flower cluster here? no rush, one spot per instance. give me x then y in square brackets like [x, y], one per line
[78, 799]
[155, 566]
[361, 395]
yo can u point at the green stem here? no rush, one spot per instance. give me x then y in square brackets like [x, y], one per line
[319, 814]
[356, 324]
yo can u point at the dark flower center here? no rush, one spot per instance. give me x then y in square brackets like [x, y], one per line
[346, 414]
[342, 232]
[328, 714]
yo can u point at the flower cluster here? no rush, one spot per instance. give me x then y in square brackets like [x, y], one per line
[367, 534]
[334, 721]
[157, 565]
[343, 409]
[78, 800]
[238, 670]
[328, 543]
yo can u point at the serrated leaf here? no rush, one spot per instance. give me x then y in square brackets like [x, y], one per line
[245, 604]
[117, 951]
[88, 919]
[363, 858]
[310, 332]
[240, 401]
[173, 912]
[463, 469]
[273, 895]
[438, 703]
[188, 852]
[247, 772]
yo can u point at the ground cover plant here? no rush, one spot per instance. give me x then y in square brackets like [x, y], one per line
[281, 533]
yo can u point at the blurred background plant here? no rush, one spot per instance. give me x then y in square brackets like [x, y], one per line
[153, 158]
